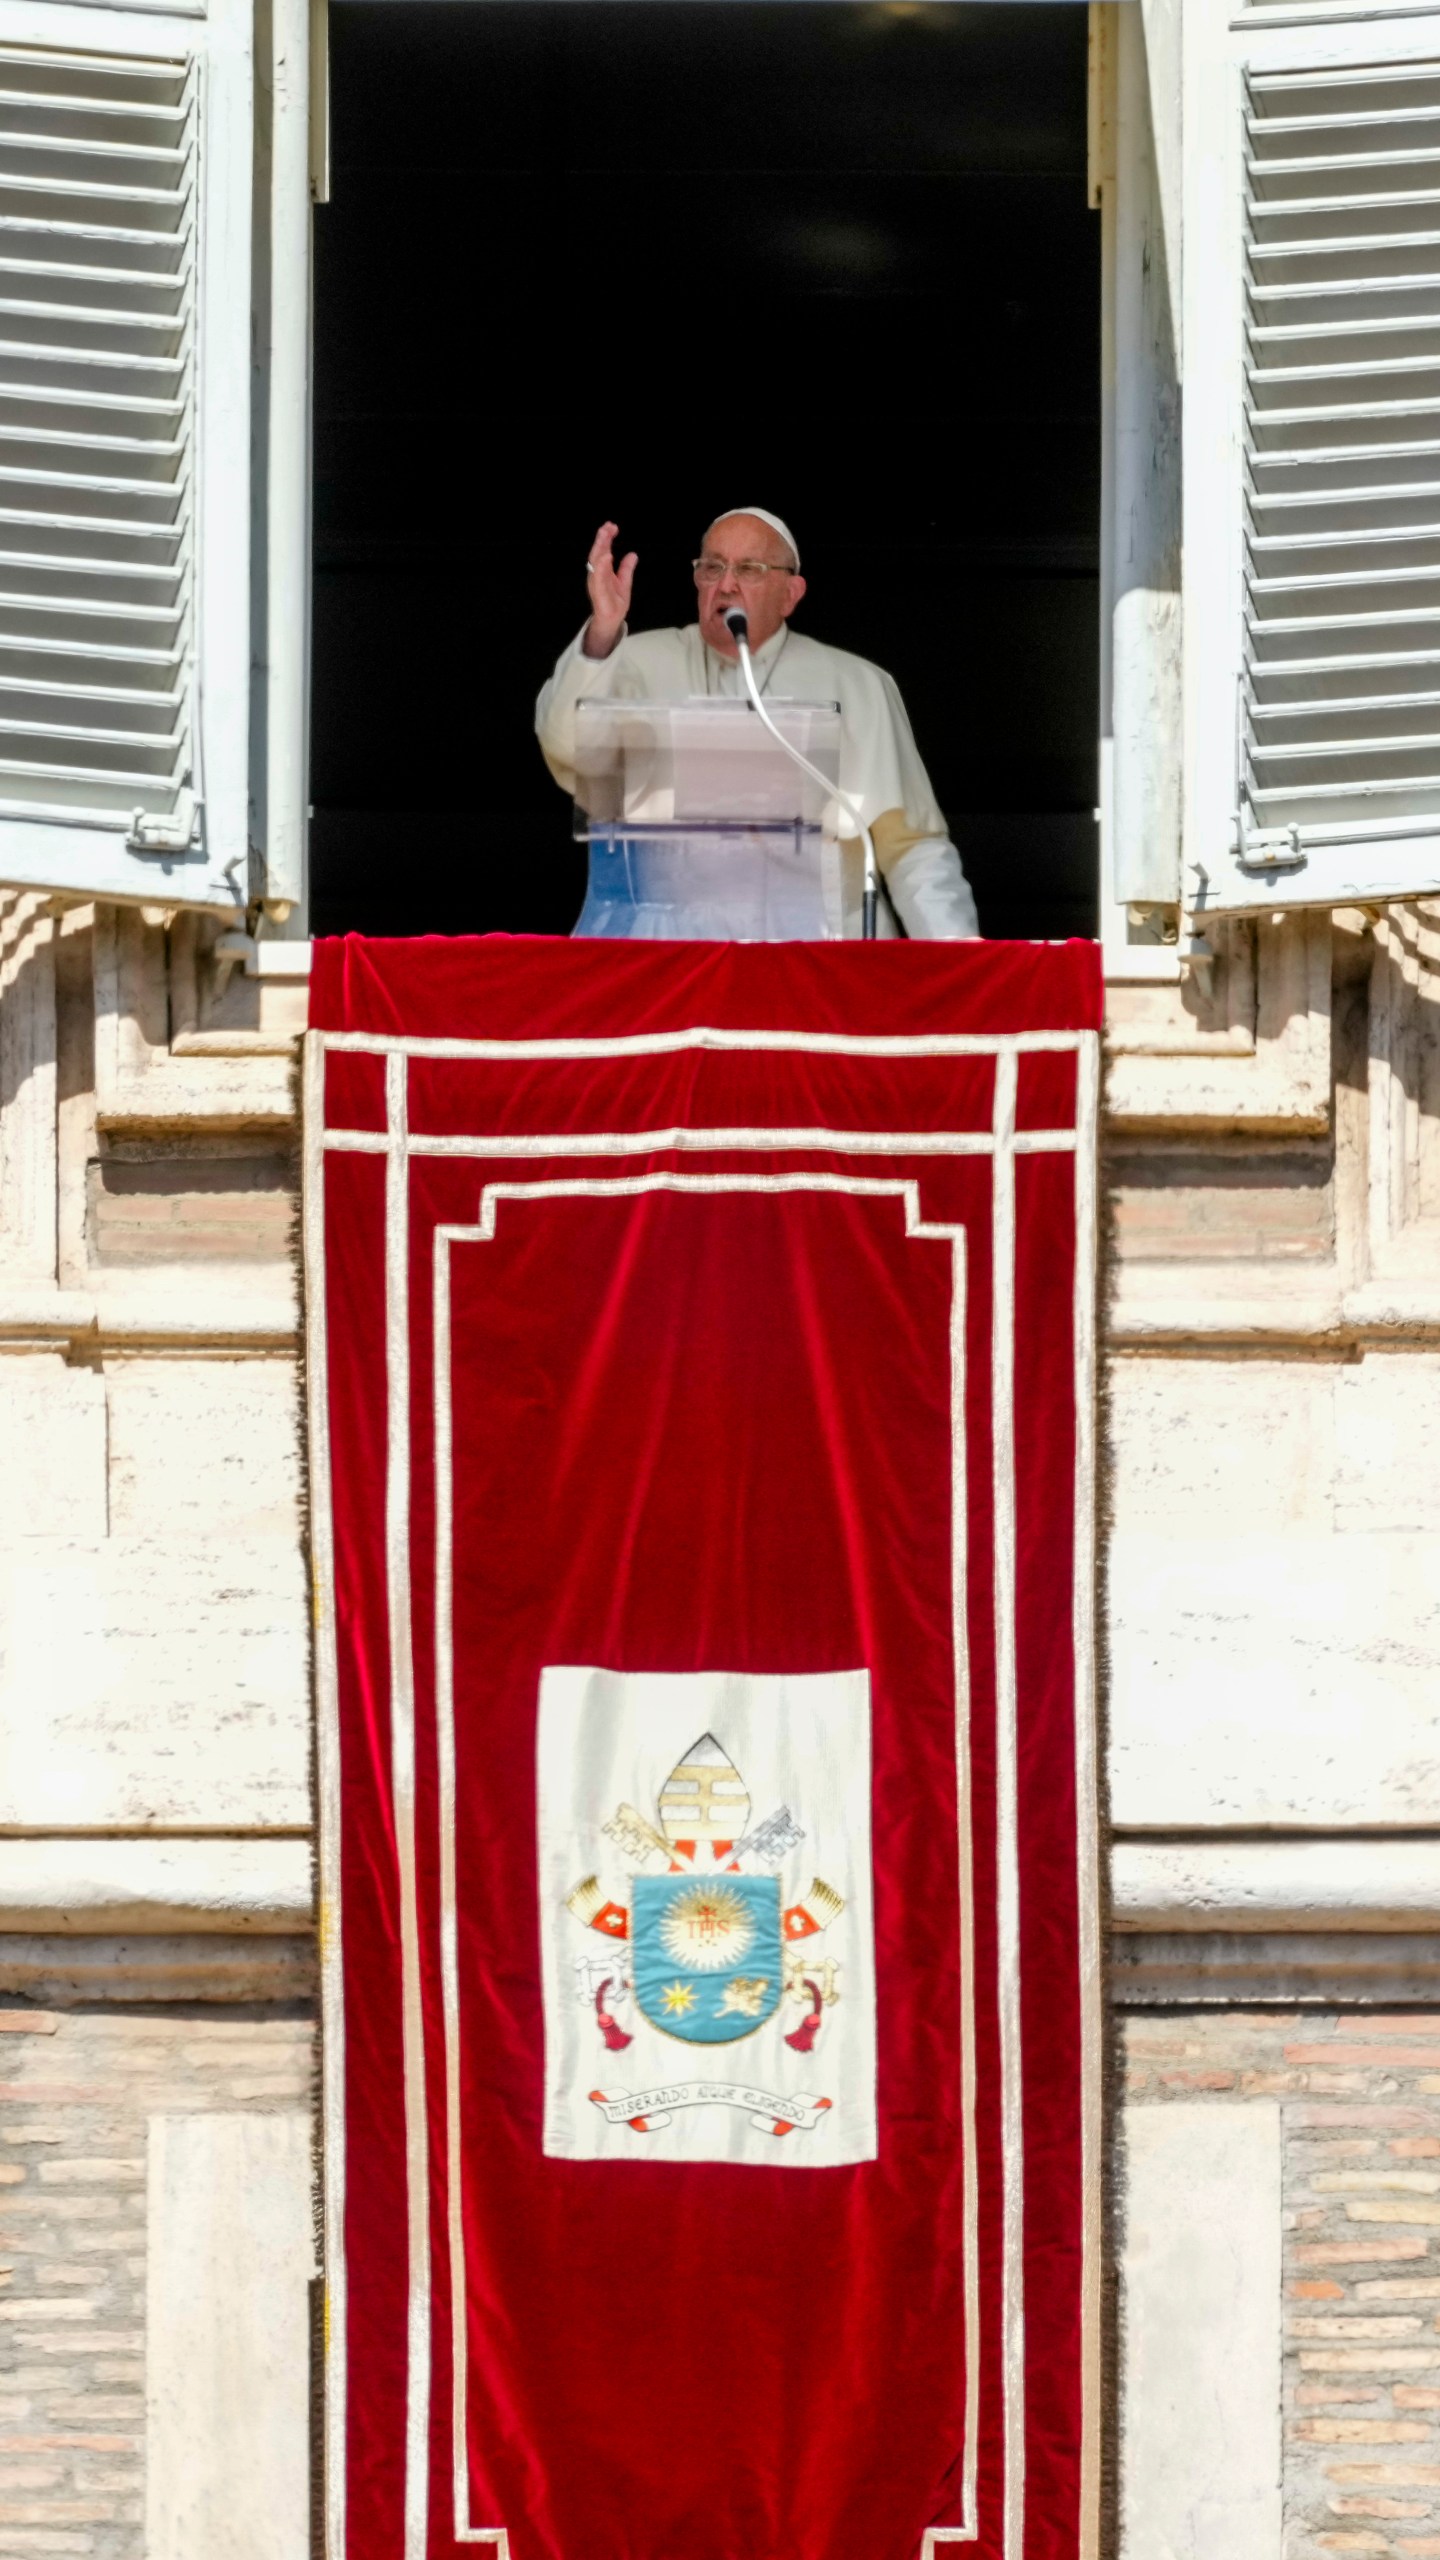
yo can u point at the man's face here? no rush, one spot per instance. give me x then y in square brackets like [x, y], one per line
[768, 598]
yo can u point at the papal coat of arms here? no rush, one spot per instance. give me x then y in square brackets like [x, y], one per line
[702, 1942]
[705, 1910]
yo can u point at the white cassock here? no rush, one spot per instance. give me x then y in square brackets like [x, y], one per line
[880, 767]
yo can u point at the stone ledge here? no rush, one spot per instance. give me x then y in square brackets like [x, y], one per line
[1248, 1304]
[149, 1884]
[1283, 1884]
[1330, 1969]
[154, 1887]
[199, 1308]
[72, 1973]
[1149, 1969]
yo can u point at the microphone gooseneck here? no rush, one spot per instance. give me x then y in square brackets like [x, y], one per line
[737, 623]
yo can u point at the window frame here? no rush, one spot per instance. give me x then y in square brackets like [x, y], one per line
[1221, 47]
[92, 861]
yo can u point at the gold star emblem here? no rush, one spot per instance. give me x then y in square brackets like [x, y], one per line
[678, 1999]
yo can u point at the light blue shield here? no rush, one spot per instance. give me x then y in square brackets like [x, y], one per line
[706, 1954]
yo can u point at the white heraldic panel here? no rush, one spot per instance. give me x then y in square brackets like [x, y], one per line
[706, 1918]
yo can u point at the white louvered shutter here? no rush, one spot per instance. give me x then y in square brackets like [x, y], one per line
[125, 195]
[1313, 458]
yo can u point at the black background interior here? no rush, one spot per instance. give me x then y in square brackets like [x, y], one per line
[648, 259]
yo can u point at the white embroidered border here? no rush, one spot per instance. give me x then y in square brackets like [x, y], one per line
[1087, 1794]
[1007, 1844]
[960, 1642]
[1007, 1851]
[1006, 1142]
[698, 1143]
[483, 1231]
[402, 1785]
[730, 1142]
[658, 1044]
[327, 1749]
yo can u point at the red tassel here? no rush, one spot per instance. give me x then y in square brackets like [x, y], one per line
[803, 2038]
[615, 2037]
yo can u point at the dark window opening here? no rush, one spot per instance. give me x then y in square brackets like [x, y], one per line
[654, 258]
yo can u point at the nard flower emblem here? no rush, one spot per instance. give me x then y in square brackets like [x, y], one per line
[742, 1999]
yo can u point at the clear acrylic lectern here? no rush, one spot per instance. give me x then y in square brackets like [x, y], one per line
[699, 826]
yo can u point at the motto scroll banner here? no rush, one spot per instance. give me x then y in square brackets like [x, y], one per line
[702, 1379]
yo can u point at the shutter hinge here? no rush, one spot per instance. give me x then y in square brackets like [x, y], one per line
[166, 835]
[1278, 849]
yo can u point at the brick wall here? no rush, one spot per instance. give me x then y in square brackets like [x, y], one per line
[76, 2090]
[1359, 2099]
[1360, 2110]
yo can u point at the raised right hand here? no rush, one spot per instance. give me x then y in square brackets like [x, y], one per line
[609, 591]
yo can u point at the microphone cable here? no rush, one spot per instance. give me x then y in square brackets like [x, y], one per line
[737, 623]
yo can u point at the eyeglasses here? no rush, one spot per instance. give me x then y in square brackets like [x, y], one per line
[749, 572]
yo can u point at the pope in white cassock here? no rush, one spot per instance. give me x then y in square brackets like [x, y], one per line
[749, 558]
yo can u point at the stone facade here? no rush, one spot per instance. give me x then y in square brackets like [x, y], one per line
[156, 1997]
[1274, 1167]
[1356, 2099]
[89, 2342]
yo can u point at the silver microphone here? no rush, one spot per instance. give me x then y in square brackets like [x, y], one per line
[737, 623]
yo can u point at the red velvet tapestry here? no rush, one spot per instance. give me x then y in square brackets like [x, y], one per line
[702, 1379]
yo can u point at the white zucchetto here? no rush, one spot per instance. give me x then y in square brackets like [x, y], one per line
[777, 524]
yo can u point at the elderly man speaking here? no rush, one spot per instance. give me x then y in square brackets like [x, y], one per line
[749, 558]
